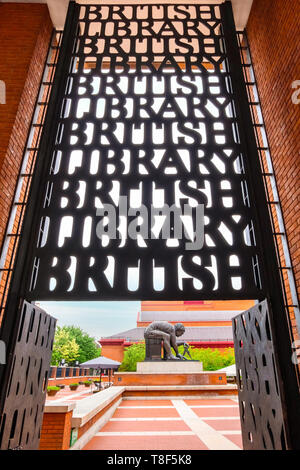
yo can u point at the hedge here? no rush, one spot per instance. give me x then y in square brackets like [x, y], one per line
[212, 359]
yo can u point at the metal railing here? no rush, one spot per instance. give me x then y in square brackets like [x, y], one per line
[75, 372]
[284, 262]
[21, 196]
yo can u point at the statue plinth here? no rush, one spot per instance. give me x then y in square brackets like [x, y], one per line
[161, 335]
[168, 367]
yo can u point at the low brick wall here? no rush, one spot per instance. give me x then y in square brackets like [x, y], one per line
[56, 427]
[201, 378]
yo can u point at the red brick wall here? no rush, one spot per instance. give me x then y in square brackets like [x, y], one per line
[113, 349]
[274, 30]
[25, 31]
[202, 378]
[56, 431]
[216, 391]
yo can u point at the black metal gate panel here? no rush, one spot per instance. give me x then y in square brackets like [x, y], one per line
[147, 120]
[260, 397]
[25, 392]
[149, 104]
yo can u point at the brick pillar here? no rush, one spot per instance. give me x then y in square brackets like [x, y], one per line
[273, 32]
[25, 31]
[56, 427]
[113, 348]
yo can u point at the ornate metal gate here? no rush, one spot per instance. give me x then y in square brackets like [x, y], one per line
[149, 104]
[26, 390]
[147, 118]
[260, 396]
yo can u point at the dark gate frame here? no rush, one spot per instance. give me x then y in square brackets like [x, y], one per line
[279, 323]
[260, 395]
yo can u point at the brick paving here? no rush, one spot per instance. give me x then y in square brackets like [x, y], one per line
[66, 394]
[161, 424]
[196, 424]
[145, 443]
[146, 413]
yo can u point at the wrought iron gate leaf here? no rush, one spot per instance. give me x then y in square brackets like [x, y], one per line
[260, 400]
[145, 113]
[26, 388]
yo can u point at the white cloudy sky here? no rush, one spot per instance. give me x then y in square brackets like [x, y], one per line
[96, 318]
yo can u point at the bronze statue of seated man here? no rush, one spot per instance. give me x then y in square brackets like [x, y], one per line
[168, 333]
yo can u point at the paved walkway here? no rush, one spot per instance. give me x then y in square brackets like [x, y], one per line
[195, 424]
[66, 394]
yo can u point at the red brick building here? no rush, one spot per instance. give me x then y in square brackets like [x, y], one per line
[207, 324]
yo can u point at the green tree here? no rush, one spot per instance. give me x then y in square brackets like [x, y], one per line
[133, 354]
[64, 347]
[87, 344]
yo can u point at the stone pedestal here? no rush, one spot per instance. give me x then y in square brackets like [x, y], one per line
[153, 348]
[169, 367]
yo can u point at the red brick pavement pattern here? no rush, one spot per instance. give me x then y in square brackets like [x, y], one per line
[146, 403]
[141, 426]
[145, 443]
[159, 442]
[210, 402]
[224, 424]
[65, 393]
[216, 412]
[146, 413]
[236, 439]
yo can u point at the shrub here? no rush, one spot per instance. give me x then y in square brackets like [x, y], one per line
[74, 385]
[212, 359]
[133, 354]
[53, 388]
